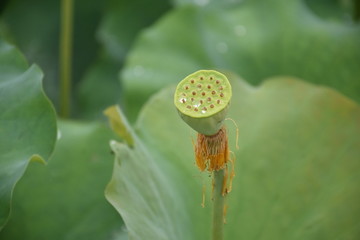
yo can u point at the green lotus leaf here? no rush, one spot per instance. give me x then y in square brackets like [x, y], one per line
[253, 39]
[27, 122]
[297, 167]
[65, 199]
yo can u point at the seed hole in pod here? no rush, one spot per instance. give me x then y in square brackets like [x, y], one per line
[209, 99]
[195, 109]
[218, 101]
[221, 95]
[186, 87]
[209, 86]
[192, 99]
[188, 106]
[217, 81]
[192, 80]
[211, 78]
[203, 93]
[201, 101]
[199, 86]
[194, 93]
[201, 78]
[221, 88]
[213, 92]
[212, 106]
[183, 100]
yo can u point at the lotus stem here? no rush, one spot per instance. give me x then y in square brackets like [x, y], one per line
[202, 100]
[65, 56]
[218, 205]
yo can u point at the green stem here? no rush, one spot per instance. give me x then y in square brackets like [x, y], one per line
[65, 56]
[218, 208]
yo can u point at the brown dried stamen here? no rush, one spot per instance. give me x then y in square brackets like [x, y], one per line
[211, 152]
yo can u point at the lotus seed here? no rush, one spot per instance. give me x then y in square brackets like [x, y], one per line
[213, 92]
[192, 81]
[217, 81]
[194, 93]
[195, 109]
[203, 93]
[212, 106]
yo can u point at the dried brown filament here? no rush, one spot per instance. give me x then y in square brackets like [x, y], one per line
[212, 152]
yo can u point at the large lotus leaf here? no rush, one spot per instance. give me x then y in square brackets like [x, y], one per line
[65, 199]
[27, 122]
[253, 38]
[297, 168]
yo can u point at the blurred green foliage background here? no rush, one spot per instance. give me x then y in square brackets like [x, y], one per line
[124, 51]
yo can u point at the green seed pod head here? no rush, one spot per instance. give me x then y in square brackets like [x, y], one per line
[202, 100]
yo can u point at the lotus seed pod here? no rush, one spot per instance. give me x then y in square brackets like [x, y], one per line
[202, 100]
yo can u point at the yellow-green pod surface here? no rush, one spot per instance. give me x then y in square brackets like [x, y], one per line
[202, 100]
